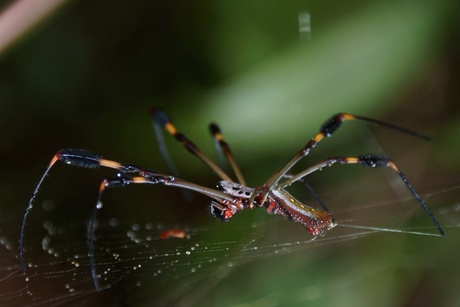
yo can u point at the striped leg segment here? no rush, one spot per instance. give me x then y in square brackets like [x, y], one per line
[223, 146]
[128, 174]
[326, 130]
[74, 157]
[367, 160]
[161, 119]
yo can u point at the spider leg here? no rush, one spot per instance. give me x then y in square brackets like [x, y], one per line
[147, 177]
[221, 145]
[220, 157]
[366, 160]
[161, 119]
[326, 130]
[158, 128]
[76, 157]
[120, 181]
[315, 196]
[128, 174]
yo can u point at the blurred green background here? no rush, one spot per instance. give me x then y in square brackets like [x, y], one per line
[86, 76]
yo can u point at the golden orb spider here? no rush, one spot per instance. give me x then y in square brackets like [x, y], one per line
[229, 197]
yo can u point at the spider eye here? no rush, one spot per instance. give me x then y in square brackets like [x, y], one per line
[219, 187]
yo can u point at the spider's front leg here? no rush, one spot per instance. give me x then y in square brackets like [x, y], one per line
[121, 180]
[225, 206]
[74, 157]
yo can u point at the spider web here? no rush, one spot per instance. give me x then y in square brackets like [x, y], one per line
[135, 266]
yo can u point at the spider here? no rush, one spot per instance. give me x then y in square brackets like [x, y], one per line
[229, 197]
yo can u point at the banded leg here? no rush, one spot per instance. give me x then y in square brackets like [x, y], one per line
[75, 157]
[366, 160]
[223, 146]
[162, 120]
[128, 174]
[326, 130]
